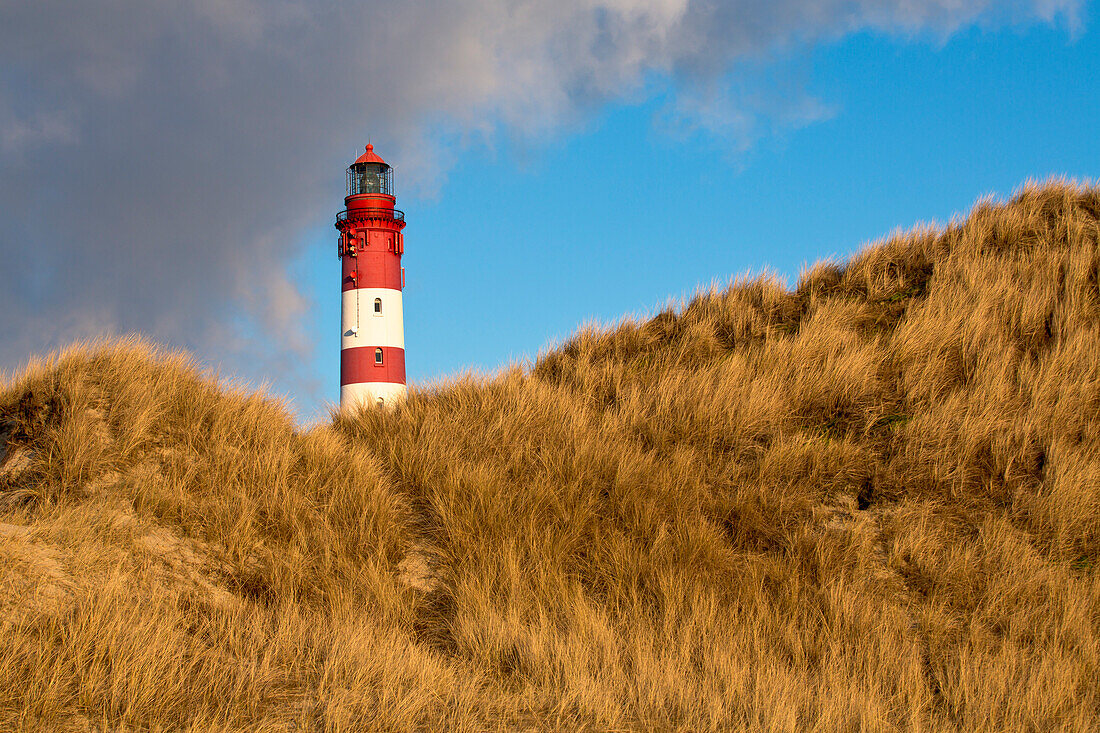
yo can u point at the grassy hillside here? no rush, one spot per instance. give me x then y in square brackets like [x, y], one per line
[870, 503]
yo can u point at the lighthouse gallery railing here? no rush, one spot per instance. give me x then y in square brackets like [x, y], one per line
[394, 214]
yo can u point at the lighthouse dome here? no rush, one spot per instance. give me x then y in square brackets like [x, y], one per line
[370, 174]
[369, 157]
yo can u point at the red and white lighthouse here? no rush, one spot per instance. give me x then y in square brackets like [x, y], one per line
[372, 344]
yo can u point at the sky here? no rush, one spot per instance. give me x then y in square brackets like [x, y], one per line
[173, 168]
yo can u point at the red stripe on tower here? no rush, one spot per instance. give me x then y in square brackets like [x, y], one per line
[372, 342]
[372, 364]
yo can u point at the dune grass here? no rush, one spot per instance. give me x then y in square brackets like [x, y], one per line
[871, 503]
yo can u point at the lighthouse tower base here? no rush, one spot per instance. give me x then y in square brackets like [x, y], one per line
[371, 394]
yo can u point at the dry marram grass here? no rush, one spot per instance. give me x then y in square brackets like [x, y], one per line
[870, 503]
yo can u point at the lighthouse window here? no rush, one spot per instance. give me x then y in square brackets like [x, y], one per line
[377, 306]
[378, 357]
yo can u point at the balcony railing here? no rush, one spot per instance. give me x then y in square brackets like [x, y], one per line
[378, 213]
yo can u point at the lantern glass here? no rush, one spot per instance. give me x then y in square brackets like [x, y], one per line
[370, 178]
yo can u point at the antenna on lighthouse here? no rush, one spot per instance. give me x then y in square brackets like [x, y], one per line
[372, 346]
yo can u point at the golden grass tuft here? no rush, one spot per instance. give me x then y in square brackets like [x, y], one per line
[870, 503]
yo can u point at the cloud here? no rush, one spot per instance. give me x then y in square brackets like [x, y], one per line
[159, 159]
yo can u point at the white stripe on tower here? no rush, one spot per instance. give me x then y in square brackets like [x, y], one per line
[369, 393]
[367, 323]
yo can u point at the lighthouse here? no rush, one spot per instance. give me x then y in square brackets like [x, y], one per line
[372, 341]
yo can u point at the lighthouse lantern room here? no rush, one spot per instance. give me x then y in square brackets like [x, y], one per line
[372, 342]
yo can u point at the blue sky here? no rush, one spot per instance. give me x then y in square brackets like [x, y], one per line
[173, 168]
[521, 244]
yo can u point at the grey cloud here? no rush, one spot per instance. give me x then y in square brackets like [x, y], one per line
[159, 159]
